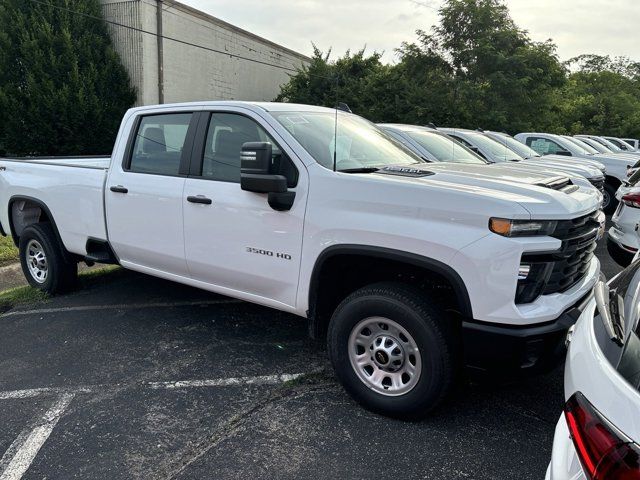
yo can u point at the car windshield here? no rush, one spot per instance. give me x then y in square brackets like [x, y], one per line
[611, 146]
[497, 149]
[520, 148]
[444, 148]
[586, 149]
[595, 145]
[359, 144]
[626, 357]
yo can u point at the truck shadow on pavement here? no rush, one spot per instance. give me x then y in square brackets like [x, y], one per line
[167, 381]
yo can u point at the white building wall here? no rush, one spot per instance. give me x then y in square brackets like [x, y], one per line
[193, 73]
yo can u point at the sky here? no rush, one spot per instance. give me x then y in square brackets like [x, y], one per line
[605, 27]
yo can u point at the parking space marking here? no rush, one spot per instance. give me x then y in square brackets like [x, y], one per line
[227, 382]
[215, 382]
[132, 306]
[18, 458]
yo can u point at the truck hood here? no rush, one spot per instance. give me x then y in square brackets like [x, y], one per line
[584, 170]
[574, 161]
[540, 193]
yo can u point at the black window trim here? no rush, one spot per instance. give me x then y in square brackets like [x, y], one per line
[185, 156]
[200, 138]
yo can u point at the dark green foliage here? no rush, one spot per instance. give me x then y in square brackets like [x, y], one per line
[63, 89]
[478, 69]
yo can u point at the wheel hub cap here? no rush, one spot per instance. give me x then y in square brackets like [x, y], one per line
[384, 356]
[37, 261]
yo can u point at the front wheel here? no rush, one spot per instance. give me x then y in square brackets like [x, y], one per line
[609, 202]
[43, 261]
[392, 350]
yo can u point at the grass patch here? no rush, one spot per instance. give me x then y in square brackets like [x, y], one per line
[20, 296]
[15, 297]
[8, 251]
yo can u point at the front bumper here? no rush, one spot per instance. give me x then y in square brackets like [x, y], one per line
[515, 350]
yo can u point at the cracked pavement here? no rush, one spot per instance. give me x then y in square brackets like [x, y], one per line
[236, 416]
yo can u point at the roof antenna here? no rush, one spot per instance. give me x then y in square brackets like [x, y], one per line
[431, 125]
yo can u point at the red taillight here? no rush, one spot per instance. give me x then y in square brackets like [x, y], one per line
[604, 451]
[631, 200]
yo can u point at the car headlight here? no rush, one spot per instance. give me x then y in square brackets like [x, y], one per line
[521, 228]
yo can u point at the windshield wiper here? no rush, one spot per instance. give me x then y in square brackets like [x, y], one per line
[360, 170]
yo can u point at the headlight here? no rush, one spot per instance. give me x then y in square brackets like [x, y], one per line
[521, 228]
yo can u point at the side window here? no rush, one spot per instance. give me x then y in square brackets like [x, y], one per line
[226, 134]
[544, 146]
[158, 144]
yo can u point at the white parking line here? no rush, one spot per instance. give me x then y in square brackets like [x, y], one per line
[227, 382]
[132, 306]
[18, 458]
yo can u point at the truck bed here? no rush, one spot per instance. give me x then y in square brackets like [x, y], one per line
[71, 187]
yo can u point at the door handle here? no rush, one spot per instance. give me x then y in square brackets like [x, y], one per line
[199, 199]
[119, 189]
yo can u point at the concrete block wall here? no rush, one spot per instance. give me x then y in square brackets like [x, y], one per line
[192, 73]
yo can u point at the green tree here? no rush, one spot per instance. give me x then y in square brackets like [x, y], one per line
[63, 89]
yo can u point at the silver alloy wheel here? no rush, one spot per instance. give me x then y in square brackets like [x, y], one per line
[606, 198]
[384, 356]
[37, 261]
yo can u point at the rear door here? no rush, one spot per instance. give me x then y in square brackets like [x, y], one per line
[234, 241]
[144, 194]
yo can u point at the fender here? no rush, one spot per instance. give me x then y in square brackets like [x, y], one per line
[44, 208]
[435, 266]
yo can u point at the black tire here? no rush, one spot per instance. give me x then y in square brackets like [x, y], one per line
[619, 255]
[610, 203]
[428, 327]
[61, 272]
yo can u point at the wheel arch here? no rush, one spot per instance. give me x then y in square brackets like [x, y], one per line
[44, 211]
[317, 322]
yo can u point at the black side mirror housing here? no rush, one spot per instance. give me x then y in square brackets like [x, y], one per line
[255, 167]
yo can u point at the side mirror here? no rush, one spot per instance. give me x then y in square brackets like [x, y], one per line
[256, 176]
[255, 165]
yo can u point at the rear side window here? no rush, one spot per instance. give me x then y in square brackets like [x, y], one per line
[544, 146]
[159, 143]
[226, 134]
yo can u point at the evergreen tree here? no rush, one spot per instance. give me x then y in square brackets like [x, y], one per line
[63, 89]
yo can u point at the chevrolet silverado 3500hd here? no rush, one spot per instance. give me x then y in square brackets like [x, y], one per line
[411, 269]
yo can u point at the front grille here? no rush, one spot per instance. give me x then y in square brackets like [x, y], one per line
[598, 183]
[558, 271]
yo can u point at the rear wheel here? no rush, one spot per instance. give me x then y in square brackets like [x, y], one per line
[43, 260]
[609, 202]
[392, 350]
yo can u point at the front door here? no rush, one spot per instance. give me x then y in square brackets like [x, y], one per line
[234, 241]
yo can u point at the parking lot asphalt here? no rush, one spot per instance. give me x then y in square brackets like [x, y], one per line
[135, 377]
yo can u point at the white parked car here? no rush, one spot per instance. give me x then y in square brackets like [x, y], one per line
[617, 168]
[475, 147]
[409, 268]
[621, 144]
[622, 240]
[598, 435]
[611, 145]
[634, 142]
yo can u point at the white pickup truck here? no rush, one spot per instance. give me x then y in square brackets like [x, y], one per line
[412, 270]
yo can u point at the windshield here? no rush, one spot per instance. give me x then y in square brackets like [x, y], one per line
[595, 145]
[360, 144]
[520, 148]
[443, 148]
[608, 144]
[586, 149]
[497, 149]
[625, 311]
